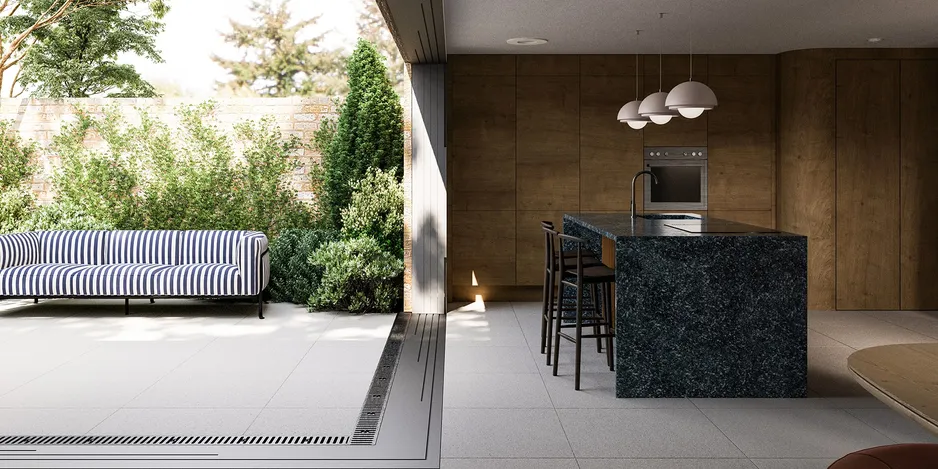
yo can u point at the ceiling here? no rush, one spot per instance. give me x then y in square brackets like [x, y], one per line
[719, 26]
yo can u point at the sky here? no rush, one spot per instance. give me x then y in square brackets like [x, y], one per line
[194, 32]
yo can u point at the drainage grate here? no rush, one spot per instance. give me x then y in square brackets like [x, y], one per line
[173, 440]
[366, 432]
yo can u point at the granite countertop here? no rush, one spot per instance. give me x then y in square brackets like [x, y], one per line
[616, 225]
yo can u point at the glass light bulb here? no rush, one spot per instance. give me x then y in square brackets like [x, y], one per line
[637, 125]
[691, 112]
[661, 120]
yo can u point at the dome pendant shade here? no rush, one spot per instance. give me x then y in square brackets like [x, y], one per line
[653, 107]
[691, 99]
[629, 114]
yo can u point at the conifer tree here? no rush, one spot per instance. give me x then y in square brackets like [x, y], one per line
[369, 133]
[278, 57]
[373, 28]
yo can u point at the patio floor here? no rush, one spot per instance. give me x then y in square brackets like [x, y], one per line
[74, 367]
[503, 409]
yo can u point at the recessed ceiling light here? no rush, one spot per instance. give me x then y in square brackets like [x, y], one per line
[526, 41]
[875, 39]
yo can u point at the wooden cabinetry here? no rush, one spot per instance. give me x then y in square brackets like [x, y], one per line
[919, 174]
[868, 136]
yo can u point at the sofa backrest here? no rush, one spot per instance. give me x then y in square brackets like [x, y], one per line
[73, 247]
[210, 247]
[144, 247]
[19, 249]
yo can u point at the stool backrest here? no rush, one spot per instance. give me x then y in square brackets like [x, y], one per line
[550, 245]
[579, 242]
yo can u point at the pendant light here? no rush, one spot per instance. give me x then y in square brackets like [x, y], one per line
[691, 98]
[653, 107]
[629, 113]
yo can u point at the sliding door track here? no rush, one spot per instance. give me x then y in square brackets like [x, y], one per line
[399, 426]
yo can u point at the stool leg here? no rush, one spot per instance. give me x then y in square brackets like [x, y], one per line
[559, 318]
[550, 311]
[610, 313]
[596, 315]
[579, 336]
[545, 301]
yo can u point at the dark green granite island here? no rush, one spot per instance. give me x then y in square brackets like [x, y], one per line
[704, 307]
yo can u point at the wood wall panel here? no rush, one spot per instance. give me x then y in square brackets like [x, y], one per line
[548, 65]
[482, 148]
[807, 165]
[482, 242]
[618, 65]
[868, 139]
[530, 244]
[763, 218]
[610, 151]
[482, 64]
[919, 225]
[741, 135]
[548, 166]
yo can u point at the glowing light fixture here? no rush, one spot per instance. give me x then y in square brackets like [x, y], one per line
[691, 98]
[653, 106]
[629, 113]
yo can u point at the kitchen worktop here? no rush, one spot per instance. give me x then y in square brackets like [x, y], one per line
[616, 225]
[720, 314]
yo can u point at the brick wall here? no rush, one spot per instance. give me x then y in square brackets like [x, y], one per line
[40, 120]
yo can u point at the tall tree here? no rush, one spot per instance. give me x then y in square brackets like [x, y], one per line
[77, 57]
[373, 28]
[22, 22]
[369, 133]
[276, 58]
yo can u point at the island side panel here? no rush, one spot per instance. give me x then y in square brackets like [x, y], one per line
[711, 316]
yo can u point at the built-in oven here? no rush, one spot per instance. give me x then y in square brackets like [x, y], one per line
[682, 178]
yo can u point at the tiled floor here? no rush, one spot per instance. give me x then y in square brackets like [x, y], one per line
[503, 409]
[183, 367]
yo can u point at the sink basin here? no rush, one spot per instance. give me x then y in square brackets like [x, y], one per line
[669, 216]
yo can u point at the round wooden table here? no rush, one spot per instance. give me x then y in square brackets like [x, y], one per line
[905, 377]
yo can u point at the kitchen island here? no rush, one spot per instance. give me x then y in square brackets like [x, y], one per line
[704, 307]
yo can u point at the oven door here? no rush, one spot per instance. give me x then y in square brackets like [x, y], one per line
[682, 185]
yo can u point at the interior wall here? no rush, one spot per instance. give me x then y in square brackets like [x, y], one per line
[857, 145]
[532, 137]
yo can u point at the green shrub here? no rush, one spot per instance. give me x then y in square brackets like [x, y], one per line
[369, 132]
[358, 276]
[377, 210]
[62, 216]
[15, 207]
[150, 176]
[293, 277]
[16, 157]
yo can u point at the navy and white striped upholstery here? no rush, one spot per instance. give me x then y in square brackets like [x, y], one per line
[143, 247]
[73, 247]
[18, 249]
[134, 263]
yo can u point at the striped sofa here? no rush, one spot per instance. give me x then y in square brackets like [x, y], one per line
[134, 264]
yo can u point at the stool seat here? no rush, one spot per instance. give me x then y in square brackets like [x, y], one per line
[904, 456]
[592, 274]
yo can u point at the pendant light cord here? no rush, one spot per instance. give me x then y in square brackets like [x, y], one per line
[691, 34]
[660, 52]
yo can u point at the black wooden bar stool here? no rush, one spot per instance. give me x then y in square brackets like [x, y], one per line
[579, 276]
[549, 305]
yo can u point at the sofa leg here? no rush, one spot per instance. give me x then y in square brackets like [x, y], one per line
[126, 306]
[152, 301]
[260, 306]
[35, 301]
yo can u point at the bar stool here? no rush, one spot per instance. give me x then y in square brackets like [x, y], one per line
[580, 276]
[551, 268]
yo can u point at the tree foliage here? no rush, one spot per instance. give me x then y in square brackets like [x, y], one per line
[369, 132]
[280, 57]
[377, 210]
[24, 22]
[373, 28]
[78, 57]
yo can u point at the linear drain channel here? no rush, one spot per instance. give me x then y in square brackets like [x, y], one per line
[174, 440]
[369, 421]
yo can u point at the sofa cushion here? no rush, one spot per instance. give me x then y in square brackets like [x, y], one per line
[42, 280]
[19, 249]
[209, 247]
[73, 247]
[143, 247]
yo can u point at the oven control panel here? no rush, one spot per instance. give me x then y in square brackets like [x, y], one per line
[675, 153]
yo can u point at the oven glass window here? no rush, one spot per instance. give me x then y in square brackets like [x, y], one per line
[676, 184]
